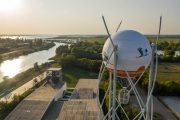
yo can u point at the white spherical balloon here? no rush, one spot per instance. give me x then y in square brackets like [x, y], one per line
[133, 53]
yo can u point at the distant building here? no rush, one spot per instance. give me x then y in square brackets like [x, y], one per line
[177, 53]
[160, 52]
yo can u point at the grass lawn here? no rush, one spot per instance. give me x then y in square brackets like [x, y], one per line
[169, 71]
[73, 74]
[102, 40]
[162, 77]
[99, 40]
[175, 40]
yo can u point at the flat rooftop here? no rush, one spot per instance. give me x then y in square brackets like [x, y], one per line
[35, 105]
[82, 108]
[88, 83]
[54, 69]
[77, 109]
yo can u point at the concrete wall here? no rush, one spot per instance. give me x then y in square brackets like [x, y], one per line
[60, 92]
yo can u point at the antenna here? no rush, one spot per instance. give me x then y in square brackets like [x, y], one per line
[115, 72]
[152, 79]
[112, 87]
[109, 35]
[119, 26]
[159, 28]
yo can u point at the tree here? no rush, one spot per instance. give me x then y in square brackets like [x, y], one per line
[169, 52]
[0, 58]
[172, 87]
[62, 49]
[36, 66]
[35, 81]
[86, 50]
[68, 61]
[30, 43]
[38, 42]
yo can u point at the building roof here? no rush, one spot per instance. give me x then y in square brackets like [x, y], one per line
[54, 69]
[77, 109]
[88, 83]
[84, 107]
[35, 105]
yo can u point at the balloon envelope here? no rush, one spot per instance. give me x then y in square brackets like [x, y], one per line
[133, 53]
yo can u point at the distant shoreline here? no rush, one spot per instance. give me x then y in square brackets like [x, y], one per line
[47, 36]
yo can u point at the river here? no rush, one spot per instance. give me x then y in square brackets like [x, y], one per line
[12, 67]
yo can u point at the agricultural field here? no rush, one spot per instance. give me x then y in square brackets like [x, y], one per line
[163, 39]
[168, 71]
[151, 39]
[73, 74]
[98, 39]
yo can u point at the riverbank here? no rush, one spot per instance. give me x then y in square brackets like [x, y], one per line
[25, 51]
[10, 84]
[25, 87]
[12, 67]
[7, 107]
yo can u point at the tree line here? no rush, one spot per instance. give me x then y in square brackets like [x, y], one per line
[81, 54]
[169, 49]
[169, 87]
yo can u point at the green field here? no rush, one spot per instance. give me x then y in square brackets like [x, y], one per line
[73, 74]
[99, 40]
[168, 71]
[174, 40]
[152, 39]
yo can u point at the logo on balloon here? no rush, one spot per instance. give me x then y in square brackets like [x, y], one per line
[142, 52]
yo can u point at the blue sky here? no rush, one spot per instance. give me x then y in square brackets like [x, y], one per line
[84, 16]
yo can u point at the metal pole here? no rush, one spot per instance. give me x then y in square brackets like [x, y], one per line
[110, 94]
[114, 83]
[148, 114]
